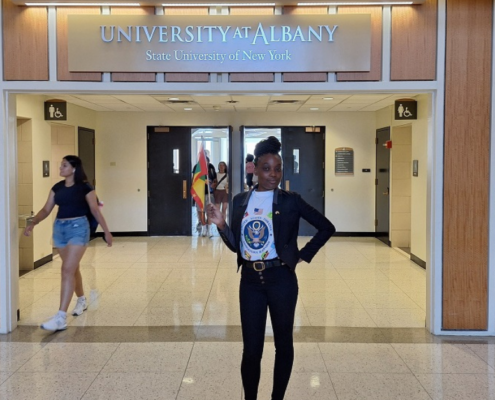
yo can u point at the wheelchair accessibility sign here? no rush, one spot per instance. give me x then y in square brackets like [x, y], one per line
[55, 110]
[406, 109]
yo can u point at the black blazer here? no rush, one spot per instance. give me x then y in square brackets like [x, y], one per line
[288, 207]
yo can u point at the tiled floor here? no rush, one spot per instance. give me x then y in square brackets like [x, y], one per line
[163, 323]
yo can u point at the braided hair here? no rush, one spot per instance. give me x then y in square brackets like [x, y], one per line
[270, 145]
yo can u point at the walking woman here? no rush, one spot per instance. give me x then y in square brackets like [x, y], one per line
[76, 199]
[263, 233]
[221, 195]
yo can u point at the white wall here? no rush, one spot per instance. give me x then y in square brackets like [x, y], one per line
[420, 129]
[121, 139]
[32, 107]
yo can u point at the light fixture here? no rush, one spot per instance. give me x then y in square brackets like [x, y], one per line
[61, 4]
[314, 108]
[188, 109]
[327, 98]
[218, 4]
[173, 98]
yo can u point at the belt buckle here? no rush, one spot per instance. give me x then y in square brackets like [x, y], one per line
[262, 268]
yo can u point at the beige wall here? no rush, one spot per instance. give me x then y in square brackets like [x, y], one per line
[419, 151]
[400, 186]
[121, 139]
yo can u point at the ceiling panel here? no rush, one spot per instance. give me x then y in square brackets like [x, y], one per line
[243, 103]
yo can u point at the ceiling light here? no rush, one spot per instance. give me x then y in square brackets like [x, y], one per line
[327, 98]
[314, 108]
[173, 98]
[61, 4]
[188, 109]
[359, 3]
[218, 5]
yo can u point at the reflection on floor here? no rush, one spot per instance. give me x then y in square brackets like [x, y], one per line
[164, 323]
[176, 281]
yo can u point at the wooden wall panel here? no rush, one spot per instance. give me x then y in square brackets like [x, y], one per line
[375, 73]
[63, 47]
[252, 77]
[187, 77]
[304, 10]
[414, 42]
[305, 76]
[26, 29]
[466, 163]
[133, 76]
[251, 11]
[186, 10]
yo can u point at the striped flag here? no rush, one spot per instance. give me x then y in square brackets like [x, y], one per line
[199, 179]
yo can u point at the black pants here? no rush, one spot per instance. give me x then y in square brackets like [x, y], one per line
[274, 289]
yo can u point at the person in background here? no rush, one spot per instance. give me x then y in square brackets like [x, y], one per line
[221, 194]
[75, 198]
[249, 170]
[203, 226]
[263, 233]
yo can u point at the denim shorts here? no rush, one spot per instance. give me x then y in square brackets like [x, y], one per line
[73, 231]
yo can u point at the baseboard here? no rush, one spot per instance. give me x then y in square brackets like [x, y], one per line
[418, 261]
[355, 234]
[43, 261]
[117, 234]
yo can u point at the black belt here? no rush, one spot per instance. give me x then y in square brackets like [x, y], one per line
[262, 265]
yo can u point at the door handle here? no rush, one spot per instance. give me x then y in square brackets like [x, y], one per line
[387, 192]
[184, 190]
[287, 185]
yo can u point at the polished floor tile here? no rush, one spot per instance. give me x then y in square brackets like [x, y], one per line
[163, 323]
[46, 385]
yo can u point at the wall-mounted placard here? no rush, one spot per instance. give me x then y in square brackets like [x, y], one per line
[46, 169]
[344, 161]
[415, 167]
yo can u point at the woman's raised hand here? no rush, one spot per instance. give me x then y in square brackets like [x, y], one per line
[215, 216]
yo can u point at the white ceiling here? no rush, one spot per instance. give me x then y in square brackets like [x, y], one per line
[233, 103]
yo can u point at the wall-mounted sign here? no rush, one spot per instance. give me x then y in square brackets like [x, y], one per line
[415, 167]
[406, 109]
[226, 43]
[46, 169]
[55, 110]
[344, 161]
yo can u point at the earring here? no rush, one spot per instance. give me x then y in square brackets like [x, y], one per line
[73, 171]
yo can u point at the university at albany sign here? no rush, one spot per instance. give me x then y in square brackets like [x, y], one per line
[275, 43]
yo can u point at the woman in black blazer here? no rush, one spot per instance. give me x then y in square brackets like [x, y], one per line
[263, 233]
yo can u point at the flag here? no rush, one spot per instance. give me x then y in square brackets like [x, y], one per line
[199, 179]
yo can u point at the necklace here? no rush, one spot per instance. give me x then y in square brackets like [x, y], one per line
[259, 201]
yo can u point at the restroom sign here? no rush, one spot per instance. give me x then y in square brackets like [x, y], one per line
[406, 109]
[55, 110]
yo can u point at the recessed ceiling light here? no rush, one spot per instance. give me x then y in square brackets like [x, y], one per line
[188, 109]
[173, 98]
[327, 98]
[314, 108]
